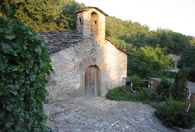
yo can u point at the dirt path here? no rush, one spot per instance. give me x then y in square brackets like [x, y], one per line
[102, 115]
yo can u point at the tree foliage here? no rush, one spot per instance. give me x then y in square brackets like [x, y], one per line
[42, 15]
[164, 88]
[147, 60]
[172, 41]
[68, 15]
[179, 91]
[188, 57]
[137, 82]
[140, 35]
[24, 65]
[192, 40]
[188, 61]
[173, 113]
[130, 32]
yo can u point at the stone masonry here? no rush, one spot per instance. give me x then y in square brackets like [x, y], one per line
[84, 62]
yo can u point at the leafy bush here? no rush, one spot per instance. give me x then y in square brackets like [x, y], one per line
[137, 82]
[179, 91]
[147, 94]
[24, 65]
[164, 88]
[122, 93]
[191, 76]
[173, 113]
[119, 93]
[188, 61]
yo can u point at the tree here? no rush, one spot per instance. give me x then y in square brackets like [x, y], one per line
[140, 35]
[42, 15]
[188, 61]
[68, 15]
[179, 91]
[164, 88]
[146, 60]
[174, 42]
[192, 40]
[7, 8]
[130, 32]
[188, 57]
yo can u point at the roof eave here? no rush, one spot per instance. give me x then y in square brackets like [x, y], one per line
[89, 7]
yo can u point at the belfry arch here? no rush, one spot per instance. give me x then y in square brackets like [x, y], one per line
[94, 23]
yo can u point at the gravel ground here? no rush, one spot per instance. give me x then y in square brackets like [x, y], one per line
[101, 115]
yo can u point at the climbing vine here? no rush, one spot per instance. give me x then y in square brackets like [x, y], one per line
[24, 65]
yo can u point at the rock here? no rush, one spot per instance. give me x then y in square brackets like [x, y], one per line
[99, 114]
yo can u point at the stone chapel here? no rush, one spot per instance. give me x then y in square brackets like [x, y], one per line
[84, 62]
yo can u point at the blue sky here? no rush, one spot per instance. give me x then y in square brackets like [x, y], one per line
[177, 15]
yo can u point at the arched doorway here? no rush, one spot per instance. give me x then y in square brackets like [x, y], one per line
[92, 81]
[94, 23]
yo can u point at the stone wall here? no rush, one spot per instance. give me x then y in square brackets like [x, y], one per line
[73, 52]
[115, 66]
[84, 23]
[70, 65]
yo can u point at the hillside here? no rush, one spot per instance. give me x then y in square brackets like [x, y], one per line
[47, 15]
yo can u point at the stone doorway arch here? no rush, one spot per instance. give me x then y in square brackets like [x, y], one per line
[92, 81]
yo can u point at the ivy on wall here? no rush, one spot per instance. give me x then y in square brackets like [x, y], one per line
[24, 65]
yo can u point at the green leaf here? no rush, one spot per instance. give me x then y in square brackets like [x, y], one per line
[14, 92]
[38, 50]
[22, 77]
[10, 36]
[32, 77]
[7, 48]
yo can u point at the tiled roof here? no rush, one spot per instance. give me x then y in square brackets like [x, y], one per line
[57, 41]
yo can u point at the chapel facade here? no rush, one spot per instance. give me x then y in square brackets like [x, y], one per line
[84, 62]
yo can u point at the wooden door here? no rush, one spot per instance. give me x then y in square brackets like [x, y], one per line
[91, 81]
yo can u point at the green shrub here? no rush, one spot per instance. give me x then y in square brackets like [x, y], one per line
[191, 76]
[122, 93]
[164, 89]
[119, 93]
[179, 91]
[173, 113]
[147, 94]
[137, 82]
[24, 65]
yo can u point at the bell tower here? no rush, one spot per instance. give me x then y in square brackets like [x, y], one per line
[91, 22]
